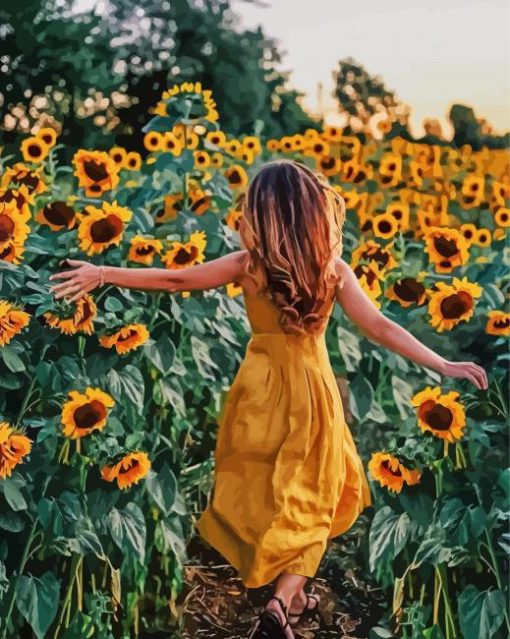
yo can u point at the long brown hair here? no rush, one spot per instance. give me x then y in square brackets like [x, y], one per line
[292, 228]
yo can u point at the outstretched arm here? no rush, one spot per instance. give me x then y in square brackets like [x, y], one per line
[379, 328]
[84, 276]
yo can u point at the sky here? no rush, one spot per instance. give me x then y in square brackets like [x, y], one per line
[431, 53]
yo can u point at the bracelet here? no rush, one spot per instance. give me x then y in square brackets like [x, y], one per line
[101, 276]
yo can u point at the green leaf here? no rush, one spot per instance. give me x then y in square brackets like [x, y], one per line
[402, 393]
[12, 493]
[37, 600]
[162, 487]
[127, 383]
[349, 347]
[388, 535]
[128, 531]
[11, 522]
[161, 353]
[362, 395]
[82, 627]
[87, 538]
[12, 360]
[480, 613]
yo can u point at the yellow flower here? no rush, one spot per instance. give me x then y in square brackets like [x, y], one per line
[502, 217]
[390, 472]
[252, 143]
[385, 225]
[75, 317]
[96, 172]
[233, 219]
[181, 254]
[57, 215]
[468, 231]
[34, 150]
[442, 415]
[498, 323]
[208, 105]
[233, 289]
[126, 339]
[48, 136]
[14, 446]
[202, 159]
[103, 228]
[483, 238]
[370, 276]
[218, 138]
[20, 174]
[153, 141]
[447, 248]
[142, 250]
[172, 144]
[129, 470]
[407, 291]
[450, 304]
[12, 321]
[236, 176]
[328, 165]
[133, 161]
[118, 155]
[86, 412]
[371, 250]
[172, 204]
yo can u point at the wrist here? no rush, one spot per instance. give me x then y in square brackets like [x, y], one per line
[443, 367]
[102, 275]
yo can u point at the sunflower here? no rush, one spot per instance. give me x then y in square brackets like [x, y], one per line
[85, 412]
[153, 141]
[11, 252]
[233, 289]
[72, 318]
[172, 204]
[273, 145]
[328, 165]
[502, 217]
[14, 446]
[482, 238]
[400, 211]
[202, 159]
[12, 321]
[133, 161]
[316, 148]
[385, 225]
[15, 202]
[118, 155]
[369, 276]
[352, 171]
[252, 143]
[142, 250]
[447, 248]
[298, 142]
[236, 176]
[203, 107]
[390, 169]
[217, 160]
[181, 254]
[247, 156]
[389, 471]
[48, 136]
[20, 174]
[233, 219]
[468, 231]
[332, 133]
[57, 215]
[172, 144]
[129, 470]
[286, 144]
[102, 228]
[452, 303]
[199, 200]
[34, 150]
[371, 250]
[218, 138]
[472, 193]
[12, 229]
[126, 339]
[498, 323]
[407, 291]
[442, 415]
[96, 172]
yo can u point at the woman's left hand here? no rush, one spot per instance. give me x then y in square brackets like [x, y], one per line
[78, 281]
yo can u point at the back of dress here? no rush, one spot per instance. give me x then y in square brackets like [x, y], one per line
[287, 475]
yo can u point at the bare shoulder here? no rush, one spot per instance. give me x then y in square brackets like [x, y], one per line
[342, 268]
[239, 259]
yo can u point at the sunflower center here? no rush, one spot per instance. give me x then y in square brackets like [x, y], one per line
[145, 250]
[34, 150]
[105, 229]
[386, 465]
[328, 163]
[90, 414]
[7, 227]
[183, 255]
[126, 337]
[381, 257]
[29, 180]
[87, 312]
[408, 289]
[235, 177]
[95, 170]
[445, 247]
[6, 252]
[439, 417]
[58, 213]
[502, 323]
[133, 463]
[384, 226]
[454, 306]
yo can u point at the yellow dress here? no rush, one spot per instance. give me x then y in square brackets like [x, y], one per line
[287, 473]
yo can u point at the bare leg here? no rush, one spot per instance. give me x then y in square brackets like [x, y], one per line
[288, 586]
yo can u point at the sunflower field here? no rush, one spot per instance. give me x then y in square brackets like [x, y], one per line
[108, 405]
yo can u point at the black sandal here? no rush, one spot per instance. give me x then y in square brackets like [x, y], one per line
[308, 612]
[269, 625]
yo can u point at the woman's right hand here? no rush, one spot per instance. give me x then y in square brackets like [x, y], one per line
[467, 370]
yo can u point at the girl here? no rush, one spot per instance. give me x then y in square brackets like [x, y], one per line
[287, 474]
